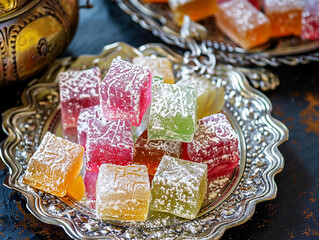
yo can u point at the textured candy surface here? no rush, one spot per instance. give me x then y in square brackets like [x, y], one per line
[243, 23]
[173, 113]
[122, 192]
[179, 187]
[108, 142]
[150, 153]
[83, 122]
[284, 16]
[90, 188]
[195, 9]
[78, 89]
[159, 65]
[126, 91]
[55, 165]
[77, 188]
[210, 99]
[215, 143]
[310, 20]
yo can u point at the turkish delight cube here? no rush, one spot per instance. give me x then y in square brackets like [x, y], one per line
[122, 192]
[90, 188]
[160, 66]
[195, 9]
[284, 16]
[108, 142]
[55, 165]
[243, 23]
[78, 89]
[150, 153]
[77, 188]
[173, 113]
[215, 143]
[126, 91]
[179, 187]
[210, 99]
[83, 122]
[310, 20]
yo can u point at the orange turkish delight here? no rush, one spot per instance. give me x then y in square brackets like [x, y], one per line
[284, 16]
[195, 9]
[150, 153]
[243, 23]
[77, 188]
[55, 165]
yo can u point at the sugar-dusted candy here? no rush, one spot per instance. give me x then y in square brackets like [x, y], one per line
[90, 188]
[210, 99]
[243, 23]
[83, 122]
[78, 89]
[160, 66]
[122, 192]
[179, 187]
[255, 3]
[173, 113]
[195, 9]
[310, 20]
[77, 188]
[284, 16]
[150, 153]
[215, 143]
[126, 91]
[108, 142]
[55, 165]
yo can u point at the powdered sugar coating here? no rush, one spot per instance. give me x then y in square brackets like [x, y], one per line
[126, 91]
[83, 125]
[179, 187]
[55, 165]
[160, 66]
[173, 113]
[122, 192]
[215, 142]
[243, 23]
[285, 17]
[150, 153]
[108, 142]
[78, 89]
[310, 20]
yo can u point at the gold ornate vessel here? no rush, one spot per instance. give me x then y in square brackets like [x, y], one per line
[32, 34]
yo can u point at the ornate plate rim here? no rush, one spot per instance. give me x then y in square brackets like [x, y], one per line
[33, 200]
[224, 52]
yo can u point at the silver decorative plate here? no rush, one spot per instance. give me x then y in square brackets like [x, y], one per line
[205, 36]
[230, 200]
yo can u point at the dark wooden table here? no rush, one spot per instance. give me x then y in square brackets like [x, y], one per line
[292, 215]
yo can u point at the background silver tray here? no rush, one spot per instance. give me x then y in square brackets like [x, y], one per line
[231, 204]
[158, 18]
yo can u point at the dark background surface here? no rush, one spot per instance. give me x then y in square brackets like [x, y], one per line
[295, 211]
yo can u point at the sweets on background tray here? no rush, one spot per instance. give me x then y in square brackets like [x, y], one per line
[251, 23]
[141, 146]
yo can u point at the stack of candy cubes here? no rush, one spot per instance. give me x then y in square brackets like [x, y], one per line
[167, 166]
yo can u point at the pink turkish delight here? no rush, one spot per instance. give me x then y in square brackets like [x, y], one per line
[90, 188]
[83, 124]
[108, 141]
[215, 143]
[310, 20]
[126, 91]
[78, 89]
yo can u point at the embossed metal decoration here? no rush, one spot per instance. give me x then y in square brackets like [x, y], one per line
[206, 36]
[33, 34]
[231, 200]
